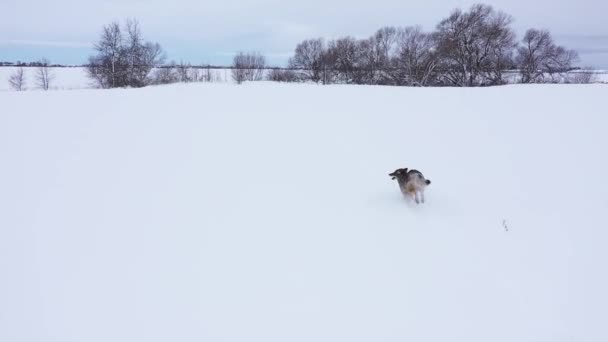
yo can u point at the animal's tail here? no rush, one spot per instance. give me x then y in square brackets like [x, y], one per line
[428, 182]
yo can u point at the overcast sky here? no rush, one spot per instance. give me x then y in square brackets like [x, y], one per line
[202, 31]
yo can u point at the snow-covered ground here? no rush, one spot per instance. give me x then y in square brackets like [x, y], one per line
[264, 212]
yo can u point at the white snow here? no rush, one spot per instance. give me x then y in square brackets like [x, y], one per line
[264, 212]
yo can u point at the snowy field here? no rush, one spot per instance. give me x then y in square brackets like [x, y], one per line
[264, 212]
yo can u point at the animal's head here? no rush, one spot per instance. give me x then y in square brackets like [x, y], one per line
[399, 173]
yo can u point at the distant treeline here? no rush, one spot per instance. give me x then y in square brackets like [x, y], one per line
[477, 47]
[468, 48]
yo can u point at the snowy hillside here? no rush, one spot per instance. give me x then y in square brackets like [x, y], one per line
[264, 212]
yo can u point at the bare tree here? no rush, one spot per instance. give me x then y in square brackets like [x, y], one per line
[44, 76]
[308, 60]
[475, 45]
[368, 68]
[343, 54]
[142, 56]
[500, 42]
[248, 67]
[383, 45]
[134, 52]
[416, 61]
[123, 61]
[108, 67]
[17, 80]
[540, 56]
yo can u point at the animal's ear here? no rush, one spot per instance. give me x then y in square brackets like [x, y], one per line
[405, 170]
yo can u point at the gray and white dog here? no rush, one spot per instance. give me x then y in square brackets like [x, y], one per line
[411, 183]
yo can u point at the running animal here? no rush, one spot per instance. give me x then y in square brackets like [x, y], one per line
[412, 183]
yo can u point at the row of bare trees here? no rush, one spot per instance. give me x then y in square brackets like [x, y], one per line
[42, 77]
[468, 48]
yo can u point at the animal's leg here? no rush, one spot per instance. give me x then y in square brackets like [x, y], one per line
[417, 197]
[422, 196]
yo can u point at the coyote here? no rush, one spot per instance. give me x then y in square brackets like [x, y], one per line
[411, 183]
